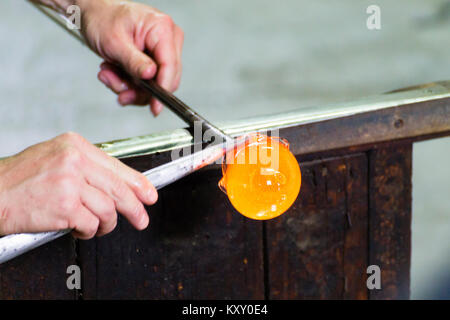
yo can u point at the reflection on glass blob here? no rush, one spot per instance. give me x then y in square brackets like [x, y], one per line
[261, 178]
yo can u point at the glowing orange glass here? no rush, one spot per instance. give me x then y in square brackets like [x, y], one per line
[261, 178]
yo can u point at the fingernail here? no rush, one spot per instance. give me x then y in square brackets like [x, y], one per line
[105, 80]
[152, 196]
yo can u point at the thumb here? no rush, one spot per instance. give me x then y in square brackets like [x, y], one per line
[137, 63]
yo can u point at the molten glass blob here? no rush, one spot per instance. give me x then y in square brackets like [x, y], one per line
[261, 178]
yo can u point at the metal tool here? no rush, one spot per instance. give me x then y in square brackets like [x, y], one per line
[14, 245]
[182, 110]
[173, 103]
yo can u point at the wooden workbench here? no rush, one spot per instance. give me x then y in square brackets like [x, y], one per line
[354, 210]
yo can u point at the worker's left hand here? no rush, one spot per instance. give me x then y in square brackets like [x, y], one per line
[141, 39]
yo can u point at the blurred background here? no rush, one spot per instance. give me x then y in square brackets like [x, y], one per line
[242, 59]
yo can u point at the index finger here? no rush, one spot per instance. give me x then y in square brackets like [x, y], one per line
[163, 49]
[140, 185]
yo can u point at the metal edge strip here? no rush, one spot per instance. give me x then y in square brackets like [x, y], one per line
[180, 138]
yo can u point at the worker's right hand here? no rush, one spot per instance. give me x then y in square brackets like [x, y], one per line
[67, 182]
[142, 40]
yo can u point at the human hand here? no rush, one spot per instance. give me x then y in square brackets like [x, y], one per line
[67, 182]
[140, 39]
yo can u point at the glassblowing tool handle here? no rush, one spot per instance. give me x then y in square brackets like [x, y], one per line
[182, 110]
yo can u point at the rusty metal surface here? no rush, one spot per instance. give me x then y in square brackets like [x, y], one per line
[408, 113]
[390, 219]
[196, 247]
[353, 210]
[412, 122]
[318, 250]
[40, 274]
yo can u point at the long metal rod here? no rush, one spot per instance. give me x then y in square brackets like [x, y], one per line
[181, 109]
[14, 245]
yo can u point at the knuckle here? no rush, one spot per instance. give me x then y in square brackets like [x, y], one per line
[165, 27]
[70, 158]
[66, 189]
[88, 230]
[116, 164]
[65, 185]
[119, 188]
[69, 204]
[167, 20]
[93, 227]
[113, 37]
[70, 136]
[109, 227]
[109, 210]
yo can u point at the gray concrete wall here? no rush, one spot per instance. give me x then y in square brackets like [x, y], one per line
[241, 59]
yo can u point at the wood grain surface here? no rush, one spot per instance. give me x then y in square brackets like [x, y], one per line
[354, 210]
